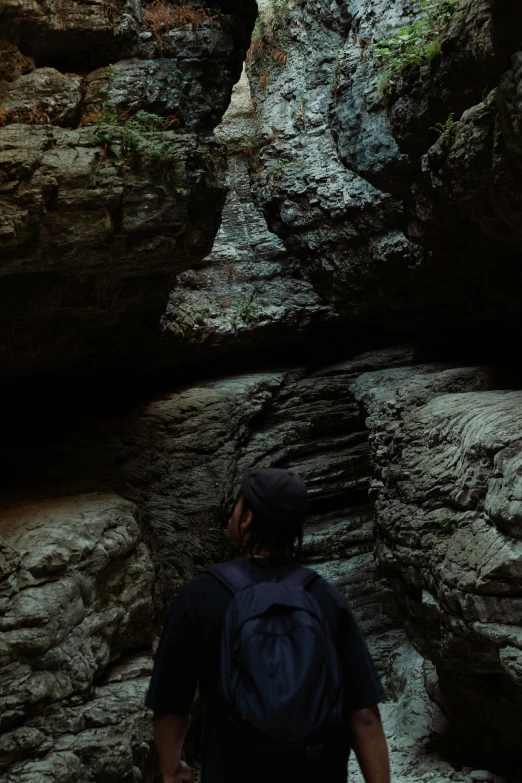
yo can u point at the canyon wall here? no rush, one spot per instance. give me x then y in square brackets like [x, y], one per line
[397, 192]
[336, 206]
[84, 593]
[112, 182]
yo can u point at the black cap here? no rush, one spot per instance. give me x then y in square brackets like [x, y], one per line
[275, 493]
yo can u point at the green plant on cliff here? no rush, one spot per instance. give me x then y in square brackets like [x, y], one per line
[250, 147]
[276, 171]
[279, 10]
[414, 44]
[442, 127]
[247, 309]
[122, 136]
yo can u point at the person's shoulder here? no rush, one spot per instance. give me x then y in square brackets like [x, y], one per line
[191, 593]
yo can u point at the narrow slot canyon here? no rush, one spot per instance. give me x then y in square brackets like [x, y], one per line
[284, 234]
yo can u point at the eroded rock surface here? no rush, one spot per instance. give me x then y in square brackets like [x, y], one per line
[446, 445]
[439, 453]
[76, 598]
[385, 220]
[81, 594]
[345, 233]
[98, 218]
[248, 290]
[96, 241]
[181, 457]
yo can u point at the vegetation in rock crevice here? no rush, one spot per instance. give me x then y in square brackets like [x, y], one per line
[264, 32]
[31, 116]
[443, 127]
[121, 136]
[414, 44]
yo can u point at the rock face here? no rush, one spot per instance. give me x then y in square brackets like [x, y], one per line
[76, 596]
[181, 457]
[248, 291]
[97, 218]
[344, 232]
[70, 211]
[345, 208]
[386, 222]
[445, 453]
[447, 456]
[79, 584]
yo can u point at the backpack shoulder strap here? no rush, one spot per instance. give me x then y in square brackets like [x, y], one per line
[301, 576]
[231, 576]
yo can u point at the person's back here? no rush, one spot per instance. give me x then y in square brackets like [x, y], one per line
[266, 525]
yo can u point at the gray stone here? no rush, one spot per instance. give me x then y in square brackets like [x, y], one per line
[438, 447]
[246, 291]
[140, 219]
[46, 91]
[342, 230]
[88, 216]
[78, 606]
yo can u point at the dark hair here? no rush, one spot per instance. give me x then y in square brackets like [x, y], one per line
[272, 532]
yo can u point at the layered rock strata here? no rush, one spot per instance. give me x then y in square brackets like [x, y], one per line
[181, 457]
[82, 594]
[446, 447]
[75, 638]
[99, 215]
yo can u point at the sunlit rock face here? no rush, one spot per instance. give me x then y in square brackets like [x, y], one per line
[75, 639]
[446, 446]
[388, 221]
[100, 214]
[346, 234]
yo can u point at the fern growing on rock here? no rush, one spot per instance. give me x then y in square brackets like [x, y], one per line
[414, 44]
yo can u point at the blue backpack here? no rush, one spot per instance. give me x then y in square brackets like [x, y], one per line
[281, 677]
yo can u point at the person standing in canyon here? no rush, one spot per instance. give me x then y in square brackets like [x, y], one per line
[277, 655]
